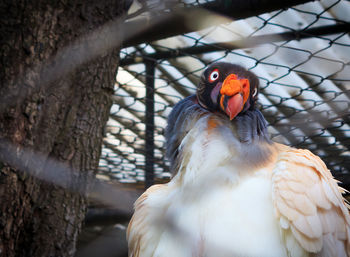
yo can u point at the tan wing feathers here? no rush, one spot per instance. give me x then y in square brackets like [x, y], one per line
[309, 225]
[287, 211]
[312, 245]
[309, 204]
[317, 195]
[138, 231]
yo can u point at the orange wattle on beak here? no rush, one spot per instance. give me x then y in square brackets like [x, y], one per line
[234, 94]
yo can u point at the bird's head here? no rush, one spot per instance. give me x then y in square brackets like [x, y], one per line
[228, 88]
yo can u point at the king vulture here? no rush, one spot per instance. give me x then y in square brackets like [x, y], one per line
[234, 192]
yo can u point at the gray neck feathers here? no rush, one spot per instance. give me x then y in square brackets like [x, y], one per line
[180, 121]
[251, 126]
[248, 130]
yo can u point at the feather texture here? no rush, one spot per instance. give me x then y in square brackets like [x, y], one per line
[306, 195]
[209, 208]
[142, 235]
[235, 192]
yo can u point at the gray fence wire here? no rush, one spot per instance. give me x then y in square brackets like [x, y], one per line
[300, 54]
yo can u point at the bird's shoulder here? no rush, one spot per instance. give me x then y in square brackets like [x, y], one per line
[139, 233]
[308, 202]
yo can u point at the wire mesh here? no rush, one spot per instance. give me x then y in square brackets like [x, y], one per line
[301, 56]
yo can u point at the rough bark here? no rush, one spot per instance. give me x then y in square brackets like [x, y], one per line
[62, 119]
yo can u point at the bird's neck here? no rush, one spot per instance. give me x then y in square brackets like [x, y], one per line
[223, 150]
[250, 127]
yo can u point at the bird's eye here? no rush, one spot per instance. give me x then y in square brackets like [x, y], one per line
[255, 92]
[214, 75]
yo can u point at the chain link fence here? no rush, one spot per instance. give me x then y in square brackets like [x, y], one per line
[300, 54]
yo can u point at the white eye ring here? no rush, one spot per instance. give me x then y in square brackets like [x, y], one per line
[214, 75]
[255, 92]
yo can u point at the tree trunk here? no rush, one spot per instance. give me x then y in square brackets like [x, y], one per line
[59, 117]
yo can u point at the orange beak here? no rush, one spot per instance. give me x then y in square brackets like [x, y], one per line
[234, 94]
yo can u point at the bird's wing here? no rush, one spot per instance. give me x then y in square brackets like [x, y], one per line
[142, 234]
[312, 213]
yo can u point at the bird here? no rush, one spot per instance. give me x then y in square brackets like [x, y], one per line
[233, 191]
